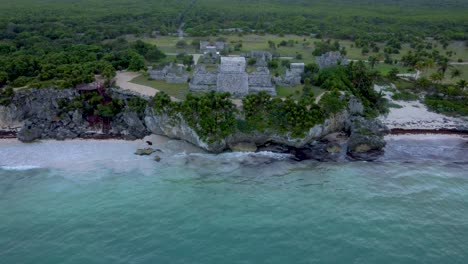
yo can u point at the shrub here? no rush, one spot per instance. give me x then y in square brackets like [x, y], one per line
[331, 102]
[5, 96]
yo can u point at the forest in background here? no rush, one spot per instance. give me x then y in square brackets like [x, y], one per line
[342, 19]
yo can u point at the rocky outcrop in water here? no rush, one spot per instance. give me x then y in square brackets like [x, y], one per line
[366, 138]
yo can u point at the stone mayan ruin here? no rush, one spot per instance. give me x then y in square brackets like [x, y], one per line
[293, 75]
[262, 57]
[211, 51]
[232, 77]
[331, 58]
[214, 47]
[172, 73]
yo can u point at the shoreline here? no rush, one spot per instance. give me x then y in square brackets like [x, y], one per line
[13, 135]
[393, 132]
[422, 131]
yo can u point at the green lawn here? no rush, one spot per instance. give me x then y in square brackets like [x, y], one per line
[448, 79]
[302, 45]
[296, 91]
[178, 91]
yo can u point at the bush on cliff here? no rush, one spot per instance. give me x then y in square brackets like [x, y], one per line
[357, 79]
[332, 102]
[262, 113]
[210, 115]
[5, 96]
[92, 104]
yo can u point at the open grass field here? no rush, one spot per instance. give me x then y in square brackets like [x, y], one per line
[296, 91]
[302, 45]
[447, 79]
[305, 45]
[178, 91]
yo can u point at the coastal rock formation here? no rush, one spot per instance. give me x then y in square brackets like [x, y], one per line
[39, 114]
[366, 138]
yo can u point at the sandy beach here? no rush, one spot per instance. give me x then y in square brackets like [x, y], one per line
[413, 115]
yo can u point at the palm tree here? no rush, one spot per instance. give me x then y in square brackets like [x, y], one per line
[455, 73]
[429, 63]
[443, 65]
[462, 84]
[436, 77]
[373, 61]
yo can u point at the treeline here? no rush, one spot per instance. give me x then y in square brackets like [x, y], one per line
[43, 63]
[65, 42]
[335, 18]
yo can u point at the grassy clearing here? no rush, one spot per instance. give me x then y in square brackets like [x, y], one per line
[296, 91]
[447, 78]
[179, 90]
[302, 45]
[305, 45]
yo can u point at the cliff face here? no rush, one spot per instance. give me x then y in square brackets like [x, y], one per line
[38, 114]
[164, 125]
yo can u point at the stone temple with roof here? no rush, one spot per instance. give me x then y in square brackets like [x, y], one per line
[232, 77]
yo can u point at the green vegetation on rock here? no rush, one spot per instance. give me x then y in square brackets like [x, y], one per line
[211, 115]
[263, 113]
[5, 96]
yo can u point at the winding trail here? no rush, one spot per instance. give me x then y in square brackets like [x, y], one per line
[124, 78]
[319, 97]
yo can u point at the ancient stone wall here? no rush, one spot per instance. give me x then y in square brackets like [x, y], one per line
[232, 78]
[170, 73]
[203, 80]
[292, 77]
[331, 59]
[234, 64]
[235, 83]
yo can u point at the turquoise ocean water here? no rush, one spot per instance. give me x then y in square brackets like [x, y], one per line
[95, 202]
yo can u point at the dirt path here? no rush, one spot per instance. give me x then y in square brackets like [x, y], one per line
[123, 79]
[319, 97]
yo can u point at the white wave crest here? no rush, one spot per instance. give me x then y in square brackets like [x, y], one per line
[19, 167]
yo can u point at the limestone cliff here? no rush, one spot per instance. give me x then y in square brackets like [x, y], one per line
[38, 114]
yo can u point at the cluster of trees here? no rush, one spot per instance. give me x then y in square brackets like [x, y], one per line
[47, 63]
[448, 99]
[211, 115]
[94, 106]
[322, 47]
[357, 79]
[263, 113]
[380, 20]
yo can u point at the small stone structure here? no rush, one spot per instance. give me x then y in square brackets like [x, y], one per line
[212, 47]
[331, 58]
[172, 73]
[259, 55]
[260, 80]
[262, 57]
[211, 51]
[202, 80]
[232, 77]
[293, 75]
